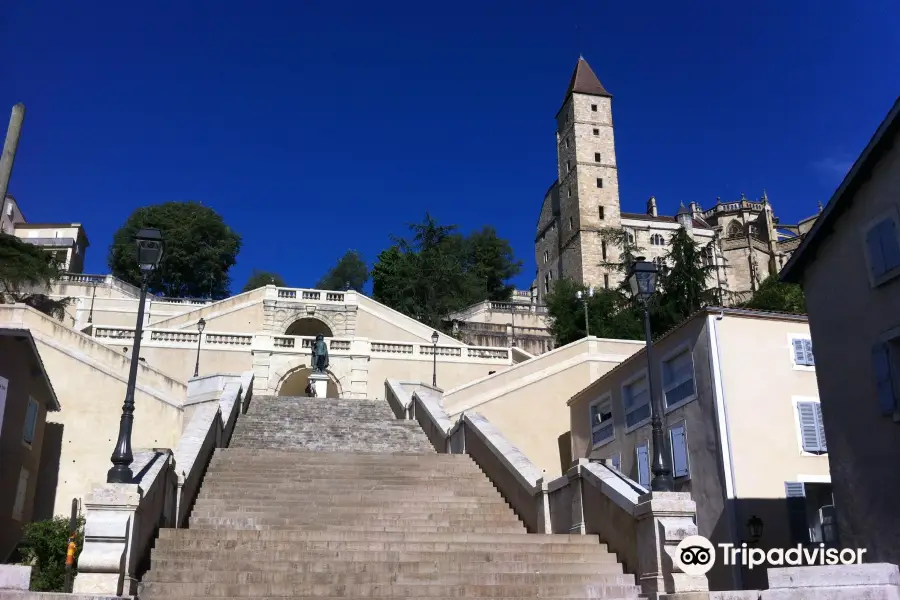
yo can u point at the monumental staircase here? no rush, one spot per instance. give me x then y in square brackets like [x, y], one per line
[331, 498]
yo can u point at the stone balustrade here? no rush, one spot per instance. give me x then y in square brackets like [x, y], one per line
[309, 295]
[122, 520]
[214, 340]
[643, 528]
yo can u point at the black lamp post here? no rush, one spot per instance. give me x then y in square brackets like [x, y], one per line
[434, 341]
[585, 296]
[150, 247]
[201, 325]
[642, 279]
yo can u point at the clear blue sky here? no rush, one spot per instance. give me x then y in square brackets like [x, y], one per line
[348, 120]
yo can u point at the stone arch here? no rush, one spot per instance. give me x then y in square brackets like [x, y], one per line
[294, 384]
[300, 367]
[309, 326]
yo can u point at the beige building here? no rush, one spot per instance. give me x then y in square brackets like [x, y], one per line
[66, 241]
[743, 419]
[743, 238]
[856, 329]
[521, 322]
[26, 396]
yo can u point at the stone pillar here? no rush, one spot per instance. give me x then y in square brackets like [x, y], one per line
[574, 475]
[319, 384]
[16, 119]
[663, 520]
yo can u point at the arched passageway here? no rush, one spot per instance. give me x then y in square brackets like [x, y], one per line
[308, 326]
[295, 384]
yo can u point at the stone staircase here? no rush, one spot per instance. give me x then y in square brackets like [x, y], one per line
[322, 498]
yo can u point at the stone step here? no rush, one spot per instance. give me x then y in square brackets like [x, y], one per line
[440, 559]
[455, 552]
[364, 505]
[153, 588]
[487, 513]
[213, 523]
[374, 497]
[586, 541]
[311, 521]
[298, 514]
[256, 576]
[304, 565]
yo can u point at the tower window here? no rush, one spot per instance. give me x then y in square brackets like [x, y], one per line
[599, 182]
[600, 209]
[546, 256]
[568, 166]
[594, 107]
[606, 280]
[571, 223]
[596, 131]
[567, 142]
[569, 192]
[603, 249]
[596, 157]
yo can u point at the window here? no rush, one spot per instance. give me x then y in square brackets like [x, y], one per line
[812, 431]
[678, 378]
[30, 421]
[569, 191]
[636, 399]
[568, 166]
[596, 131]
[884, 378]
[642, 453]
[883, 247]
[630, 237]
[601, 421]
[593, 107]
[606, 281]
[571, 223]
[795, 495]
[547, 283]
[551, 274]
[803, 354]
[597, 159]
[603, 243]
[602, 215]
[21, 491]
[657, 240]
[678, 443]
[735, 229]
[567, 142]
[546, 256]
[599, 182]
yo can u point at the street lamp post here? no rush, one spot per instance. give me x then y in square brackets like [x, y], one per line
[584, 296]
[642, 279]
[150, 247]
[434, 341]
[201, 325]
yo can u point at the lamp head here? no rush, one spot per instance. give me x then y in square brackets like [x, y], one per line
[150, 246]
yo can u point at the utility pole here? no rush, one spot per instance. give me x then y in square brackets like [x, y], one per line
[9, 148]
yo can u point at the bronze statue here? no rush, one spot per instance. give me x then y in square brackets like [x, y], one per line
[319, 355]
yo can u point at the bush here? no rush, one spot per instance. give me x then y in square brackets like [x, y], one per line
[43, 546]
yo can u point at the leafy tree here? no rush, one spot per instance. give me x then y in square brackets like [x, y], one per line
[491, 262]
[260, 279]
[43, 546]
[437, 271]
[776, 295]
[684, 284]
[350, 273]
[610, 314]
[200, 249]
[25, 271]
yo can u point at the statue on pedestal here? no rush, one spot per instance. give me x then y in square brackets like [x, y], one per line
[319, 355]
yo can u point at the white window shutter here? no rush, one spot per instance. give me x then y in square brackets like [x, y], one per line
[821, 427]
[809, 426]
[807, 347]
[679, 451]
[884, 382]
[30, 421]
[643, 464]
[799, 352]
[794, 489]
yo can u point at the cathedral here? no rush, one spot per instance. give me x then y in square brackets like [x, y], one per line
[742, 238]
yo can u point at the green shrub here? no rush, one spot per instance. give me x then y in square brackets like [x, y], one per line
[43, 546]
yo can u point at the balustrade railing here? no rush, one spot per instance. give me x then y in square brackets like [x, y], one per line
[312, 295]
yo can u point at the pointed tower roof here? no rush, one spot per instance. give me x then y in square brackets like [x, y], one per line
[585, 82]
[683, 210]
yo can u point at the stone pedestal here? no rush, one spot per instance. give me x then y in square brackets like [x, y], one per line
[319, 383]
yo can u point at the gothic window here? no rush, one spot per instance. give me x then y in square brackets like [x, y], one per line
[735, 229]
[657, 240]
[547, 283]
[546, 256]
[753, 229]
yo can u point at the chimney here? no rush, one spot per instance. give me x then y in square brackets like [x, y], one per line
[651, 206]
[9, 148]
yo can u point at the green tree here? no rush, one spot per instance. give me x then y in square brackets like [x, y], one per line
[778, 296]
[350, 273]
[260, 279]
[491, 264]
[610, 314]
[26, 272]
[437, 271]
[43, 546]
[684, 283]
[200, 250]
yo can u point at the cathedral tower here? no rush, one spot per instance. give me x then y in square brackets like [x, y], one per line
[585, 198]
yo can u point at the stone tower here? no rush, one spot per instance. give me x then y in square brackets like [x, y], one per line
[585, 197]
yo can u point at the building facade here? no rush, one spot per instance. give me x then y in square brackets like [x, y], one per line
[849, 267]
[743, 237]
[748, 448]
[67, 242]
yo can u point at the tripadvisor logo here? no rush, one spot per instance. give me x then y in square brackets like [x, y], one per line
[696, 555]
